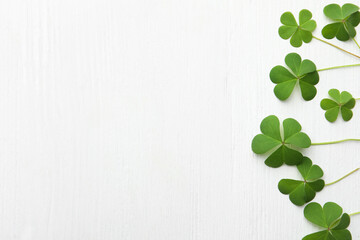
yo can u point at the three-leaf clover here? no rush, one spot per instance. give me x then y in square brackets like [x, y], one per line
[301, 192]
[271, 139]
[302, 71]
[299, 33]
[329, 217]
[341, 102]
[346, 19]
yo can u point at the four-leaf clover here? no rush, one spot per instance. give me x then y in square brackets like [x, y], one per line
[341, 102]
[346, 19]
[301, 192]
[299, 33]
[302, 71]
[329, 217]
[271, 139]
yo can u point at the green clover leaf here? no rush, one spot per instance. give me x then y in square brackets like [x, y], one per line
[329, 217]
[341, 102]
[302, 71]
[304, 191]
[299, 33]
[345, 18]
[271, 139]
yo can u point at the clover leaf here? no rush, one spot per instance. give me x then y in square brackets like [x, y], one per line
[299, 33]
[341, 102]
[302, 71]
[301, 192]
[272, 139]
[345, 18]
[329, 217]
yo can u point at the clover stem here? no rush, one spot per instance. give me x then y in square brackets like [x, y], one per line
[356, 42]
[355, 213]
[339, 141]
[321, 40]
[343, 66]
[356, 99]
[328, 184]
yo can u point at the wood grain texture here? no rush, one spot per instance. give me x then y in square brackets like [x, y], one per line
[132, 120]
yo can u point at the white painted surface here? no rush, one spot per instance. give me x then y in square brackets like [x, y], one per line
[132, 120]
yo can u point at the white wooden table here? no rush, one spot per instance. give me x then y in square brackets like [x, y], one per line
[132, 120]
